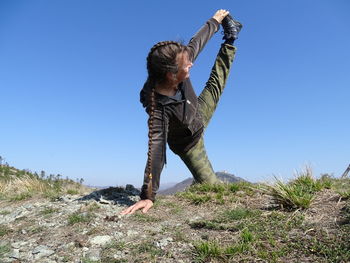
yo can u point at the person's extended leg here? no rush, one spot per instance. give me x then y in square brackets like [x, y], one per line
[196, 158]
[197, 162]
[212, 91]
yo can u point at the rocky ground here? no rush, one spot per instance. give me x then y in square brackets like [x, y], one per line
[89, 229]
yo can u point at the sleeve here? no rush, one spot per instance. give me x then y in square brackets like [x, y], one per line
[157, 155]
[199, 40]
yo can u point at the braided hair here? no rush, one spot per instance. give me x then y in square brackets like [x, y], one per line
[160, 60]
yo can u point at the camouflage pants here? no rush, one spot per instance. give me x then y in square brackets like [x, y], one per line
[196, 158]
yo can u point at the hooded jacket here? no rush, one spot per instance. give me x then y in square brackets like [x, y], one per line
[176, 121]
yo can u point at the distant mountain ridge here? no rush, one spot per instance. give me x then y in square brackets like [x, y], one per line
[223, 176]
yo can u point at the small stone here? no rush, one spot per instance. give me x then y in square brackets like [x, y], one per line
[100, 240]
[65, 199]
[16, 245]
[42, 251]
[69, 245]
[163, 242]
[93, 254]
[28, 206]
[15, 254]
[132, 233]
[119, 255]
[104, 201]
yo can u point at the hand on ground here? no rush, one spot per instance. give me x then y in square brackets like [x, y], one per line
[145, 205]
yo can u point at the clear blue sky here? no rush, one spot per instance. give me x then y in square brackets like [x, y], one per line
[71, 72]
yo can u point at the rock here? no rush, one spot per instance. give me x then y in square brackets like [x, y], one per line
[28, 206]
[16, 245]
[42, 251]
[132, 233]
[93, 254]
[65, 199]
[119, 255]
[163, 242]
[130, 189]
[15, 254]
[104, 201]
[100, 240]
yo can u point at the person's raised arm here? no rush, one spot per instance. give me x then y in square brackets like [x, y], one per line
[199, 40]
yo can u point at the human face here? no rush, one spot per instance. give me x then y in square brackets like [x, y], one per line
[184, 64]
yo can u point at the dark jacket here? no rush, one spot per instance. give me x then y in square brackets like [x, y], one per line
[177, 122]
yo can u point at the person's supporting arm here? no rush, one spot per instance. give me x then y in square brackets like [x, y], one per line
[157, 164]
[157, 156]
[199, 40]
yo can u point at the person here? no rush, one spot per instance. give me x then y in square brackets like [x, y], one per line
[176, 115]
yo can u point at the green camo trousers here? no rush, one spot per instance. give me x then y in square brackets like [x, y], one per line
[196, 158]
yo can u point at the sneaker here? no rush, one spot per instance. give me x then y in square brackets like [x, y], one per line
[231, 28]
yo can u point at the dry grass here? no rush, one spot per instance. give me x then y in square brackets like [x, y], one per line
[23, 185]
[19, 188]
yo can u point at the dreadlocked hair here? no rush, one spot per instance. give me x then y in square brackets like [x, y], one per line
[160, 60]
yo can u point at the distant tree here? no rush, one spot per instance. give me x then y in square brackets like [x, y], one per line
[42, 174]
[1, 159]
[81, 181]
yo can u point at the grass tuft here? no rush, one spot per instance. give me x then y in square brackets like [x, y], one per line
[298, 193]
[206, 250]
[4, 249]
[4, 230]
[77, 217]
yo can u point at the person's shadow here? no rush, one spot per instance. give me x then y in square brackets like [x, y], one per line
[114, 195]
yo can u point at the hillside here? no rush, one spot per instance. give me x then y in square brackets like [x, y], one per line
[223, 176]
[238, 222]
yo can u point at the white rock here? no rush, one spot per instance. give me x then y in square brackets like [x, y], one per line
[15, 254]
[132, 233]
[100, 240]
[93, 254]
[16, 245]
[163, 242]
[42, 251]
